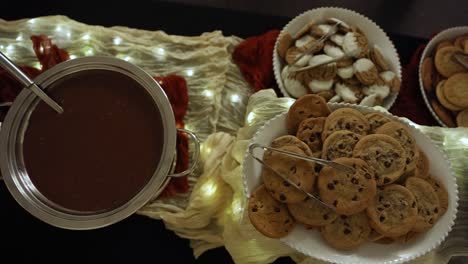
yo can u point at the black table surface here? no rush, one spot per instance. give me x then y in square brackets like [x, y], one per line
[137, 238]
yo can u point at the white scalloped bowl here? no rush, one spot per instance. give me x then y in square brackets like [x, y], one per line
[446, 34]
[311, 243]
[373, 32]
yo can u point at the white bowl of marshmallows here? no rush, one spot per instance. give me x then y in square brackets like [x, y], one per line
[365, 68]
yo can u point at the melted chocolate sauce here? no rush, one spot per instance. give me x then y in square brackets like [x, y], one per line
[102, 150]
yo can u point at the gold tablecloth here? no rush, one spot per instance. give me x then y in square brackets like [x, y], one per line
[225, 116]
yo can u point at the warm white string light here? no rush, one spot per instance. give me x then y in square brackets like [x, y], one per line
[160, 51]
[117, 40]
[235, 98]
[86, 37]
[89, 52]
[58, 28]
[10, 49]
[208, 93]
[464, 140]
[72, 56]
[208, 189]
[127, 58]
[250, 117]
[189, 72]
[19, 37]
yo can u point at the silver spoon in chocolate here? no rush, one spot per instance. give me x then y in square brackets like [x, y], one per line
[10, 67]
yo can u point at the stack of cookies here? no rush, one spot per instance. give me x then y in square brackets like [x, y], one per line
[362, 77]
[389, 197]
[445, 82]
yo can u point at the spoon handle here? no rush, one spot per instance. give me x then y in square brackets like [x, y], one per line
[19, 75]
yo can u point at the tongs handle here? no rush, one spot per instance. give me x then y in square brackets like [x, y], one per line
[330, 163]
[321, 161]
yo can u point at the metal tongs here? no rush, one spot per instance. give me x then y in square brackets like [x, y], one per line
[332, 164]
[332, 31]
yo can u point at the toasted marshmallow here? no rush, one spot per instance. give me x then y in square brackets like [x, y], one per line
[345, 93]
[345, 72]
[317, 86]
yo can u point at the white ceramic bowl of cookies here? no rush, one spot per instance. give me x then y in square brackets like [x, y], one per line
[429, 50]
[374, 34]
[311, 243]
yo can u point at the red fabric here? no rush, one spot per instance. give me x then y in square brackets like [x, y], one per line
[47, 53]
[175, 87]
[410, 102]
[254, 58]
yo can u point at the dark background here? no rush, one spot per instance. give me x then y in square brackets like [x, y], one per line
[140, 239]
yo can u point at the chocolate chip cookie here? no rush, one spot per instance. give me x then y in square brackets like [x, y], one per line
[376, 120]
[340, 144]
[441, 192]
[268, 216]
[422, 165]
[307, 106]
[289, 140]
[345, 119]
[402, 134]
[427, 203]
[311, 212]
[310, 132]
[347, 232]
[393, 211]
[300, 172]
[385, 156]
[348, 193]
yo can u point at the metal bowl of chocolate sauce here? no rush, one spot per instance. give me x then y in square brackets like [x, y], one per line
[109, 153]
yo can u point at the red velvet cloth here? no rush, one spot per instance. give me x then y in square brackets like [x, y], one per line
[254, 58]
[174, 86]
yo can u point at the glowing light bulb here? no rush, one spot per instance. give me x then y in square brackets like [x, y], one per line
[290, 102]
[89, 52]
[117, 40]
[68, 34]
[464, 140]
[19, 37]
[189, 72]
[208, 189]
[236, 207]
[160, 51]
[37, 65]
[2, 47]
[235, 98]
[32, 21]
[86, 37]
[58, 29]
[127, 58]
[72, 56]
[208, 93]
[250, 117]
[9, 49]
